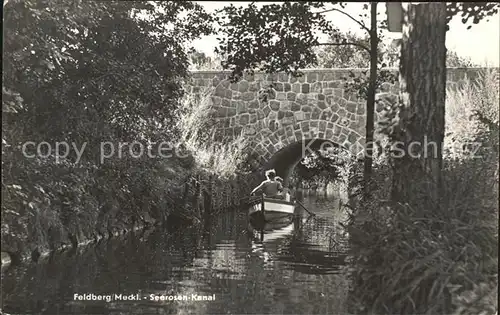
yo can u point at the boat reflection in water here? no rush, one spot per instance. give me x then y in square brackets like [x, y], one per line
[267, 231]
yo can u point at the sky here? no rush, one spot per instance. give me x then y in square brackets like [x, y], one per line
[481, 43]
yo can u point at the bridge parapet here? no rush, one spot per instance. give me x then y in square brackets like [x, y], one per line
[273, 111]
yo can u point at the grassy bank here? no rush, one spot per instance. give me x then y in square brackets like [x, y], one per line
[223, 158]
[48, 205]
[437, 258]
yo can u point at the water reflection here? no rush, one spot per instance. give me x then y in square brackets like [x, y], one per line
[296, 268]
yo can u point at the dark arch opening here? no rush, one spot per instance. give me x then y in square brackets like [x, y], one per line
[285, 160]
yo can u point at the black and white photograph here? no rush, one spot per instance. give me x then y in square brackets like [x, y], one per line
[218, 157]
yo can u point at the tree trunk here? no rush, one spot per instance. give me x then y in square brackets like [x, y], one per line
[370, 98]
[418, 137]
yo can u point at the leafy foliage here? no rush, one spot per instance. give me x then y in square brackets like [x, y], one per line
[89, 72]
[70, 62]
[321, 166]
[471, 11]
[258, 38]
[273, 38]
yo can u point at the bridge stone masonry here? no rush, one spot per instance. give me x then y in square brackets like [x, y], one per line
[277, 113]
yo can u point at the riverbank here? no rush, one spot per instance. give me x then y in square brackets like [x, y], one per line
[32, 231]
[436, 255]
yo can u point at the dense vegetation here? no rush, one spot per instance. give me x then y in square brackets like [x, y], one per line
[426, 258]
[88, 73]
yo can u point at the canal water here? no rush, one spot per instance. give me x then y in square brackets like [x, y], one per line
[220, 267]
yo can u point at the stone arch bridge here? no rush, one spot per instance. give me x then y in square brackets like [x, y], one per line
[280, 116]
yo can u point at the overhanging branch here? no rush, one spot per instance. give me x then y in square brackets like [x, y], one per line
[363, 26]
[346, 44]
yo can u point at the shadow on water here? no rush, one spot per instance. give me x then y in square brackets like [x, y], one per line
[296, 268]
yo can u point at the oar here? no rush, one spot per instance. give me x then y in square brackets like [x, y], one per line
[300, 203]
[247, 198]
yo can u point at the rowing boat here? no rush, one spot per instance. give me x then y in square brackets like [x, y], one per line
[269, 209]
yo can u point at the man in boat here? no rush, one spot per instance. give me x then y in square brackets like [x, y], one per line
[271, 188]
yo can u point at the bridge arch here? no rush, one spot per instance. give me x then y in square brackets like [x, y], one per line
[284, 148]
[285, 160]
[274, 113]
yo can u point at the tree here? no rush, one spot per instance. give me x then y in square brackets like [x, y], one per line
[355, 57]
[420, 115]
[200, 61]
[198, 58]
[82, 78]
[282, 37]
[423, 36]
[351, 56]
[89, 72]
